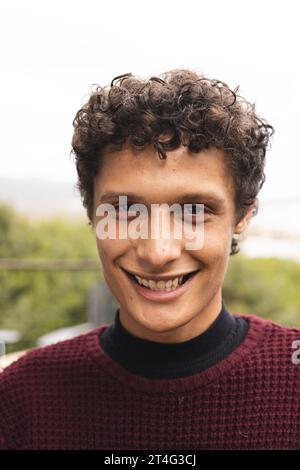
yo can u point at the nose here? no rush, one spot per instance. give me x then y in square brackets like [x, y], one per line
[160, 247]
[156, 253]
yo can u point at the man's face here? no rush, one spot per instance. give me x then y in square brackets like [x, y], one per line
[180, 316]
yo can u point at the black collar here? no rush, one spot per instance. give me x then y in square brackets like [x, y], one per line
[170, 360]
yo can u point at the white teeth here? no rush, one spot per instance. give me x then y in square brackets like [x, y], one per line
[161, 284]
[169, 285]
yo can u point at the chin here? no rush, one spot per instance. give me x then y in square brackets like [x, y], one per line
[160, 321]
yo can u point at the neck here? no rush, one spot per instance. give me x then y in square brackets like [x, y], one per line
[196, 326]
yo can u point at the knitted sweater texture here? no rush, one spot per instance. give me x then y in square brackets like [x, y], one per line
[72, 395]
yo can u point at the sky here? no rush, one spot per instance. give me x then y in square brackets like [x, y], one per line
[52, 52]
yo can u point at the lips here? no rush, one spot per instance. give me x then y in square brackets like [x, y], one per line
[162, 295]
[185, 277]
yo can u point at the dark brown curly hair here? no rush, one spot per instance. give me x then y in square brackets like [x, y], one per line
[192, 110]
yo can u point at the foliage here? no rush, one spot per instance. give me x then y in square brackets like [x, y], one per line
[268, 287]
[36, 302]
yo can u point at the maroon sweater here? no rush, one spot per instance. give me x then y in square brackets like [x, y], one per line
[72, 395]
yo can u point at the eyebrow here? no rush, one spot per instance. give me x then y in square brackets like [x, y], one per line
[186, 197]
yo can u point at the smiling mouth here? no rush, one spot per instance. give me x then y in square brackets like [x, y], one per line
[165, 287]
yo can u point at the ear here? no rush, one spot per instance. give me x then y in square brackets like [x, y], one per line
[243, 223]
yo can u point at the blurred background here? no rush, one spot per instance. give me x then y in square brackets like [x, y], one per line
[51, 285]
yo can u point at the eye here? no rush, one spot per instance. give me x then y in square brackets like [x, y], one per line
[193, 209]
[124, 212]
[190, 211]
[122, 207]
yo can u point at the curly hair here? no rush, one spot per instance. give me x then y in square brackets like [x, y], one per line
[191, 109]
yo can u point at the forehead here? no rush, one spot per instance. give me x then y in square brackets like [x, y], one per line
[142, 171]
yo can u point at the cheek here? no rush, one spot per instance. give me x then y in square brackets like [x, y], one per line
[216, 247]
[215, 256]
[111, 250]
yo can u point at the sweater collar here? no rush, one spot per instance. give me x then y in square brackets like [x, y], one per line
[154, 359]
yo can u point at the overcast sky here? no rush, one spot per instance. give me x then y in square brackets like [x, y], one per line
[53, 51]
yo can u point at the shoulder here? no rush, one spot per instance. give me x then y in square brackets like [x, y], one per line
[39, 378]
[277, 343]
[38, 362]
[270, 327]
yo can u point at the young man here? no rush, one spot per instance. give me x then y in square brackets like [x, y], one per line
[174, 369]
